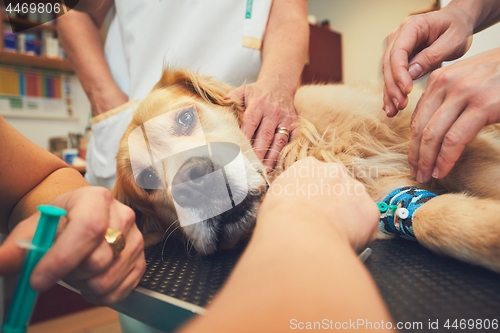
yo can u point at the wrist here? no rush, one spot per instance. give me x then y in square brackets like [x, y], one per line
[105, 98]
[98, 90]
[469, 11]
[298, 224]
[286, 82]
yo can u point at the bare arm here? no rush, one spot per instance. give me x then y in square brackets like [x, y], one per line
[269, 101]
[300, 263]
[285, 44]
[485, 15]
[28, 176]
[282, 277]
[79, 35]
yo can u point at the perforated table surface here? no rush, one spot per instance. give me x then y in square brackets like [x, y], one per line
[419, 287]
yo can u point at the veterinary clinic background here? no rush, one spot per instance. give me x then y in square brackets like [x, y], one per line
[69, 87]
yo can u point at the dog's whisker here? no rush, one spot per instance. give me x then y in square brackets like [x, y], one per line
[171, 232]
[187, 246]
[170, 226]
[268, 149]
[246, 151]
[252, 140]
[166, 239]
[191, 245]
[270, 159]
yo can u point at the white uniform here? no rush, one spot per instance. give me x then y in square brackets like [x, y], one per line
[220, 38]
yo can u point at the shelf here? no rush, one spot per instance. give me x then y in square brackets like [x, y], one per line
[20, 59]
[37, 116]
[324, 58]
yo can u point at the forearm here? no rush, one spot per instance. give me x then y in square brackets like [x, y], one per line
[79, 35]
[26, 169]
[60, 181]
[295, 267]
[480, 14]
[286, 43]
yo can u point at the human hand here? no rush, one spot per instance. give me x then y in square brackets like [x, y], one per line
[269, 105]
[103, 101]
[80, 255]
[418, 46]
[457, 102]
[313, 188]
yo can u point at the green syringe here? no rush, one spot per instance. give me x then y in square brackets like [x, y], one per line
[23, 300]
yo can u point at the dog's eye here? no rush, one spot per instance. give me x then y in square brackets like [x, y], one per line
[149, 180]
[186, 118]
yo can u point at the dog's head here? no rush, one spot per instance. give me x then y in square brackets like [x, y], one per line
[184, 164]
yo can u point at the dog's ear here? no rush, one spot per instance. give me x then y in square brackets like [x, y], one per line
[151, 230]
[119, 194]
[204, 87]
[147, 223]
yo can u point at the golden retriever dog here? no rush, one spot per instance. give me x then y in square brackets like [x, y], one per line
[177, 133]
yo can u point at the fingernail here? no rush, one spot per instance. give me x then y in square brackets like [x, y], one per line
[435, 173]
[420, 178]
[396, 103]
[415, 71]
[386, 109]
[402, 88]
[226, 98]
[40, 281]
[413, 173]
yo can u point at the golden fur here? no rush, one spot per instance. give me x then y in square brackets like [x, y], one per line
[337, 123]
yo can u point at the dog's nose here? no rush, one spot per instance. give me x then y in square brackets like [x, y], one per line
[190, 184]
[193, 171]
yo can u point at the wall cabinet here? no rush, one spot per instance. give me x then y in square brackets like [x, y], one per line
[324, 63]
[20, 59]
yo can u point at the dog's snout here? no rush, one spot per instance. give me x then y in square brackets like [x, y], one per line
[190, 183]
[193, 170]
[196, 172]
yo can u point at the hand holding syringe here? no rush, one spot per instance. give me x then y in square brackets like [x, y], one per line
[23, 300]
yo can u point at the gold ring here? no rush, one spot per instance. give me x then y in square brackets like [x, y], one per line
[115, 239]
[283, 130]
